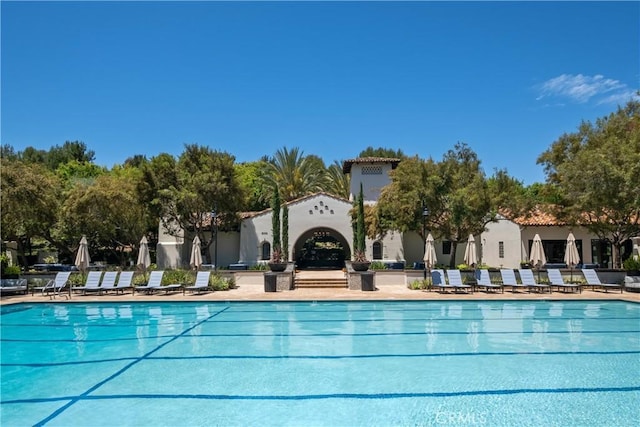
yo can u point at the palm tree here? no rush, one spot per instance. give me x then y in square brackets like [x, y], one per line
[296, 175]
[338, 182]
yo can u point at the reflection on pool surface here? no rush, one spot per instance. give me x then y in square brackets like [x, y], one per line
[325, 363]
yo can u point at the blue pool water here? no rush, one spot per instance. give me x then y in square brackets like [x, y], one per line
[539, 363]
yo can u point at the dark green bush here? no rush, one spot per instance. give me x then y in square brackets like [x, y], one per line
[631, 263]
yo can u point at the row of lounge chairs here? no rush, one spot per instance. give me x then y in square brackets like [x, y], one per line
[111, 281]
[452, 281]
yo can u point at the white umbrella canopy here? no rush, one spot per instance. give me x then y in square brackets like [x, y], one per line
[144, 259]
[82, 257]
[537, 257]
[430, 257]
[470, 253]
[196, 254]
[571, 256]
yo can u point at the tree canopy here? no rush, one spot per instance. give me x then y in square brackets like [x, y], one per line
[387, 153]
[596, 171]
[57, 195]
[455, 191]
[205, 181]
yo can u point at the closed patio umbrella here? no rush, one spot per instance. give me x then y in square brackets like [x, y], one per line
[82, 257]
[144, 259]
[470, 253]
[430, 257]
[537, 256]
[196, 254]
[571, 256]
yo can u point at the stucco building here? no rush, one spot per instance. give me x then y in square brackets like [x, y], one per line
[321, 235]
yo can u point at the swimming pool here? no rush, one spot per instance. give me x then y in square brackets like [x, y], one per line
[325, 363]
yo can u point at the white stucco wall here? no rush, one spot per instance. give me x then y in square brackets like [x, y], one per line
[169, 251]
[317, 211]
[371, 184]
[392, 247]
[488, 245]
[320, 210]
[228, 249]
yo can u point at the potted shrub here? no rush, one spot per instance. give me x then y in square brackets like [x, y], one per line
[277, 262]
[360, 261]
[632, 266]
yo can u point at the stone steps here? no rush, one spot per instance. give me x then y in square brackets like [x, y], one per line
[320, 282]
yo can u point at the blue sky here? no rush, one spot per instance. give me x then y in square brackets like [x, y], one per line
[330, 78]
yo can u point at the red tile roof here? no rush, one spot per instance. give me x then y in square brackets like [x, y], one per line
[538, 217]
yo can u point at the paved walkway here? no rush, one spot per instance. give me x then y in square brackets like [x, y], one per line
[256, 293]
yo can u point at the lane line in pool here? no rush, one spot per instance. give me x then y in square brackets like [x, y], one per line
[122, 370]
[337, 395]
[286, 320]
[364, 334]
[332, 357]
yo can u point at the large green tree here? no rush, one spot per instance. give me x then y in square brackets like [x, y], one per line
[252, 177]
[205, 181]
[107, 211]
[455, 190]
[596, 170]
[30, 202]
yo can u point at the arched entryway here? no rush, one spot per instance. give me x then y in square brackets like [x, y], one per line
[321, 248]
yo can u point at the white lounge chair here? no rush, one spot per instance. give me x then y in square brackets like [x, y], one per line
[91, 285]
[54, 286]
[591, 276]
[483, 280]
[529, 281]
[509, 279]
[455, 280]
[201, 284]
[438, 280]
[13, 286]
[556, 280]
[108, 281]
[124, 281]
[155, 284]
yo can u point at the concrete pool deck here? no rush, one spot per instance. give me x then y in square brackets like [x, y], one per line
[382, 293]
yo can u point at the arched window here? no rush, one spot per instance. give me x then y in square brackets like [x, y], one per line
[377, 250]
[266, 251]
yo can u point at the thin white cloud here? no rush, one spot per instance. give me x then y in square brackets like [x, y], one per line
[581, 89]
[620, 97]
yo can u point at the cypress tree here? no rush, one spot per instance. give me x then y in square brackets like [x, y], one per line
[285, 231]
[275, 219]
[360, 234]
